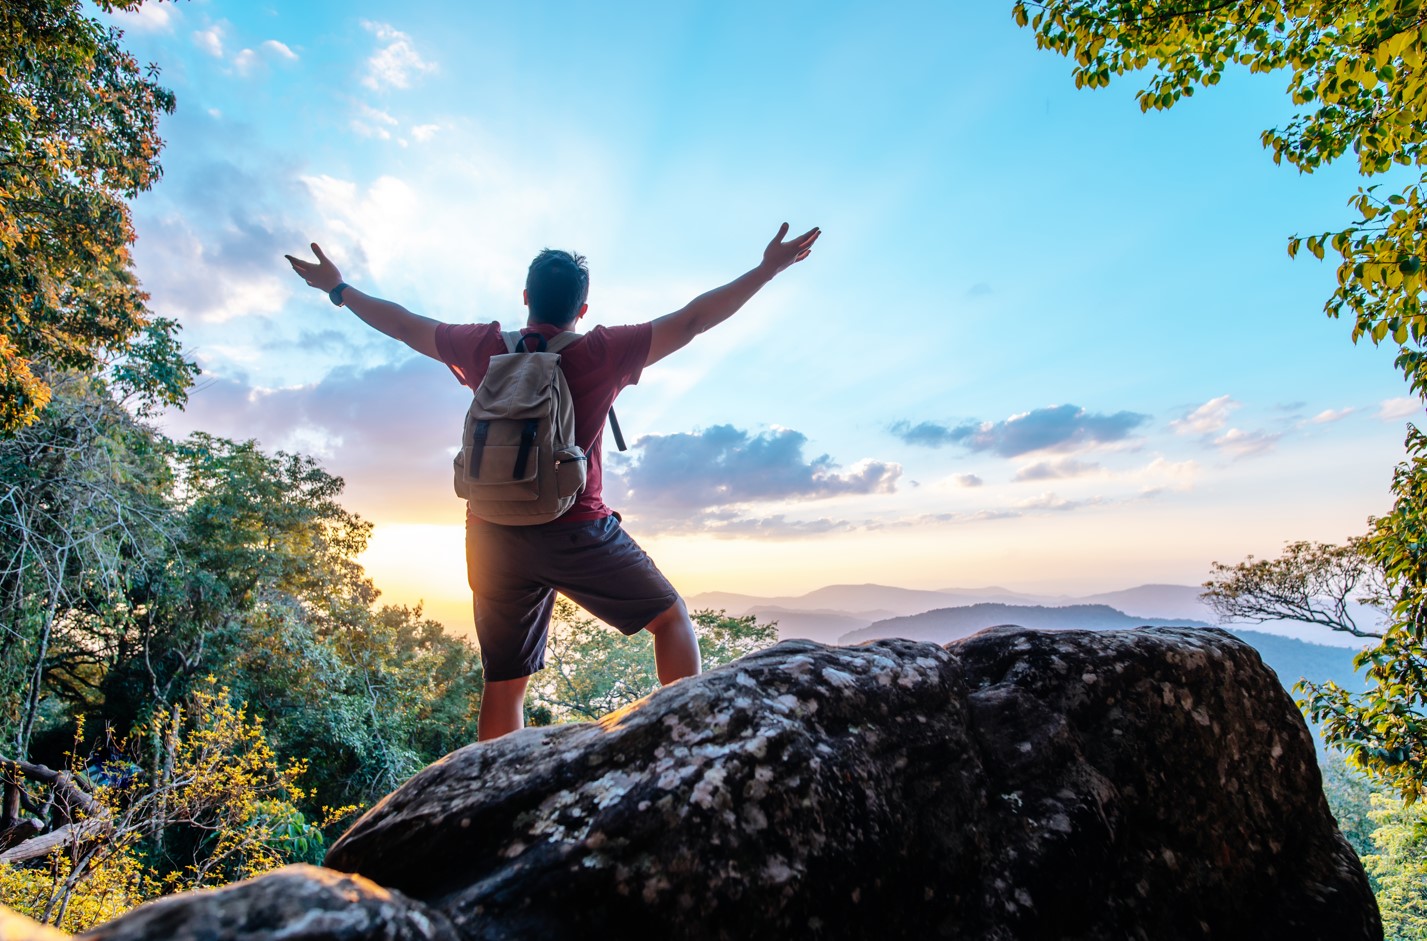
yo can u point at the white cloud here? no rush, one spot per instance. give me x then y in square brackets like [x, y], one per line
[149, 18]
[373, 122]
[1329, 415]
[1208, 421]
[1239, 443]
[210, 40]
[1160, 475]
[1399, 408]
[381, 220]
[424, 132]
[395, 63]
[280, 50]
[968, 480]
[1207, 418]
[244, 61]
[1057, 469]
[1055, 503]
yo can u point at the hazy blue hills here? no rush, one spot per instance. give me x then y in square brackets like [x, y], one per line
[1290, 658]
[948, 624]
[1294, 659]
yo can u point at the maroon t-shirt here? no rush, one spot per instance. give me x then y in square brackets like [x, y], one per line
[596, 367]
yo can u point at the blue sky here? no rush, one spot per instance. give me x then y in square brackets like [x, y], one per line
[1045, 341]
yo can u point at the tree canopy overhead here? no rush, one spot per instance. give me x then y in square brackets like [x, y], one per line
[78, 137]
[1356, 82]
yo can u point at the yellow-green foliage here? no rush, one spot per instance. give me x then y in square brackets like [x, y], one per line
[1400, 866]
[216, 806]
[105, 891]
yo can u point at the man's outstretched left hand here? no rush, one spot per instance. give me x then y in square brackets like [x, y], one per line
[321, 274]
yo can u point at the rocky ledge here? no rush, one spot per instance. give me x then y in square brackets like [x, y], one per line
[1153, 784]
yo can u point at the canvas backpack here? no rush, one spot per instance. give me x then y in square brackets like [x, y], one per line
[519, 464]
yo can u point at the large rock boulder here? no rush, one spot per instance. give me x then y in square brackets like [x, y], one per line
[1151, 784]
[1155, 783]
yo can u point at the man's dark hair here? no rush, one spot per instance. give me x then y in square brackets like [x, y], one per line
[557, 285]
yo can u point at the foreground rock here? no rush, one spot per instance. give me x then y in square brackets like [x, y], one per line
[1152, 784]
[1134, 784]
[297, 903]
[16, 927]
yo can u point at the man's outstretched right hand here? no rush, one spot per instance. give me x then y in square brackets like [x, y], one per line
[321, 274]
[780, 254]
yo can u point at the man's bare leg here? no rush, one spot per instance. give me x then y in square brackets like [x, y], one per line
[502, 708]
[676, 648]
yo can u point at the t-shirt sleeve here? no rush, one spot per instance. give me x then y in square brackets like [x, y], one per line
[628, 349]
[459, 346]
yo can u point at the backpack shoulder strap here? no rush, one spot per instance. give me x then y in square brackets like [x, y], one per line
[559, 342]
[562, 340]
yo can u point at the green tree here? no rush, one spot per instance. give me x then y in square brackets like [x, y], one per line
[1356, 81]
[592, 670]
[82, 511]
[78, 137]
[265, 592]
[133, 567]
[1391, 839]
[1312, 582]
[1398, 866]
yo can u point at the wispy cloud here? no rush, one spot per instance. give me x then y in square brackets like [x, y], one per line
[1050, 502]
[396, 62]
[776, 527]
[1239, 443]
[1207, 418]
[373, 122]
[1057, 428]
[149, 18]
[247, 61]
[1399, 408]
[1330, 415]
[1208, 422]
[1057, 469]
[279, 50]
[210, 40]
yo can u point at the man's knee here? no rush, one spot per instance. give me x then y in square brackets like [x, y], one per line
[676, 615]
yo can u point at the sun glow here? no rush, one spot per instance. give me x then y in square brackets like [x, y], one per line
[423, 564]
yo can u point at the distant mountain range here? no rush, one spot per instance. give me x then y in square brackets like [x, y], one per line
[853, 614]
[947, 624]
[1290, 658]
[836, 611]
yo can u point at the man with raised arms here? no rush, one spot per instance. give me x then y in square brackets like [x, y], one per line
[514, 571]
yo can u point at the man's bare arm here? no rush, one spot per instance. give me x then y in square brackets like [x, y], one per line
[708, 310]
[395, 321]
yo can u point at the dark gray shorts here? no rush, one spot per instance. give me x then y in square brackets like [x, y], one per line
[515, 571]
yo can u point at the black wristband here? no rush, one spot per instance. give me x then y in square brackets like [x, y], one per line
[335, 295]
